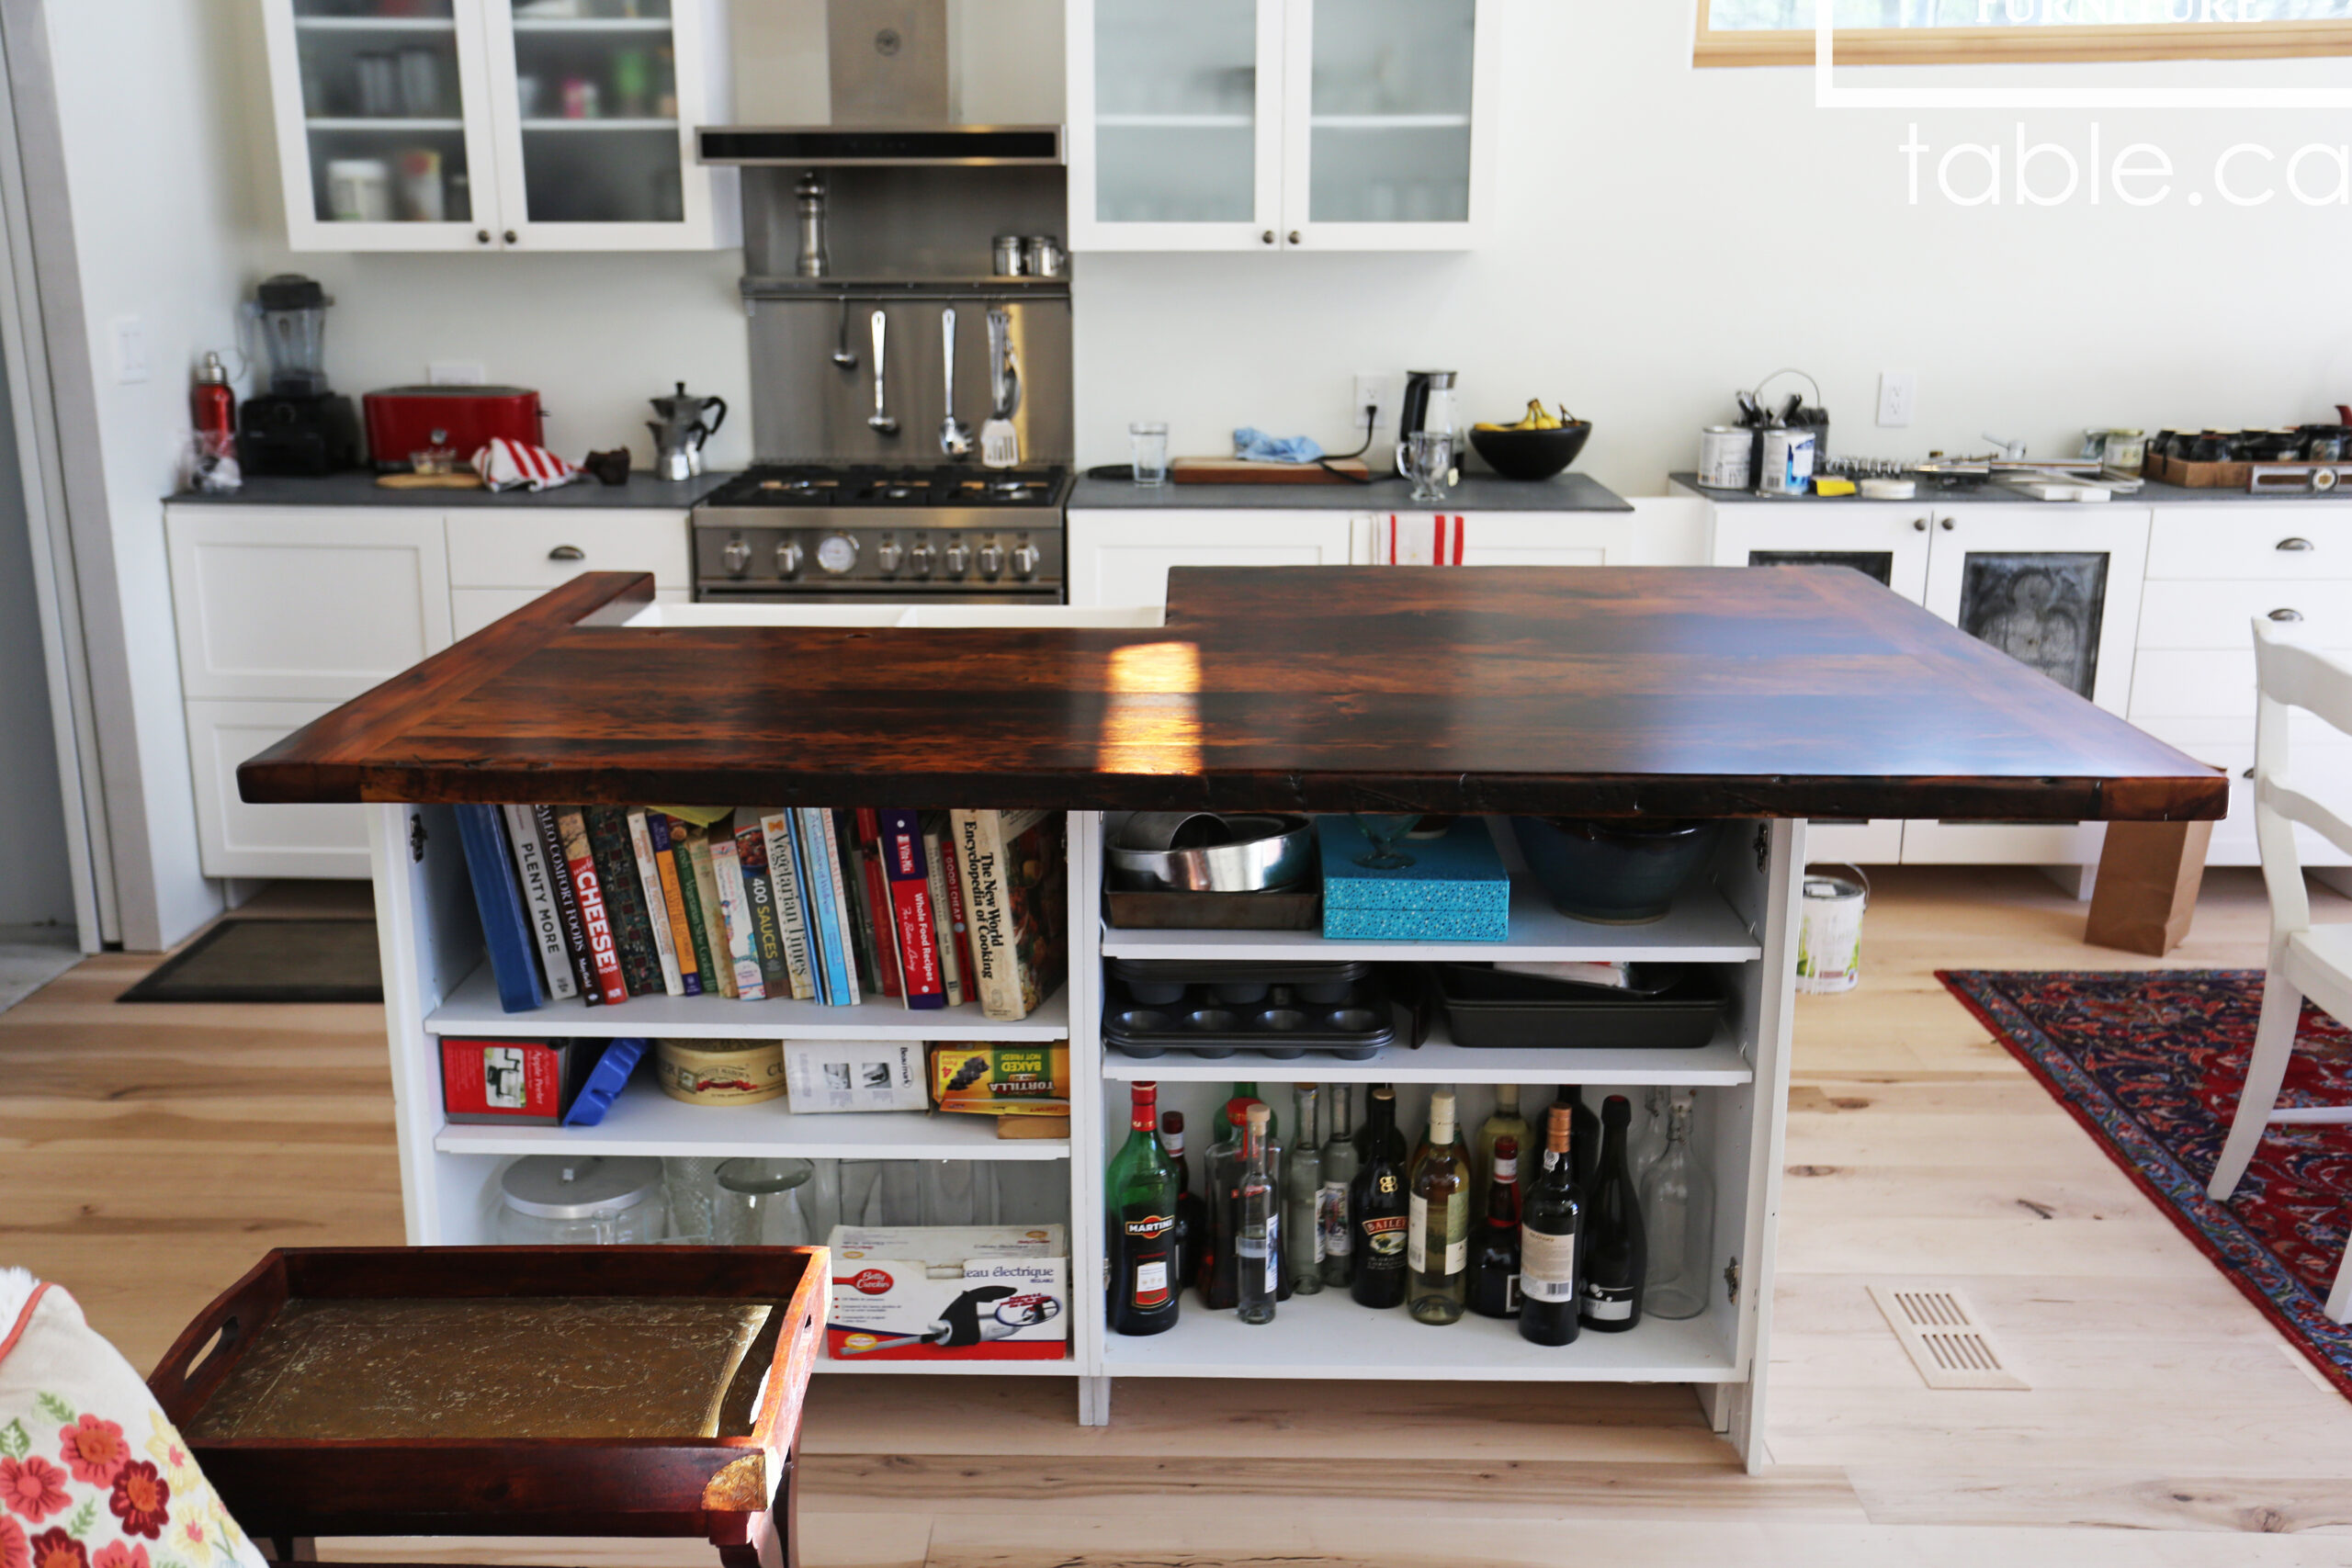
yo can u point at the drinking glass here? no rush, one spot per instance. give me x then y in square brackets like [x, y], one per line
[693, 1181]
[1382, 829]
[1147, 438]
[1429, 458]
[759, 1202]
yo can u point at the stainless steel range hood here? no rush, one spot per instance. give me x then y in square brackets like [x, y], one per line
[900, 82]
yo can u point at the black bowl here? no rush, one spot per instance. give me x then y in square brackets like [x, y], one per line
[1616, 873]
[1532, 454]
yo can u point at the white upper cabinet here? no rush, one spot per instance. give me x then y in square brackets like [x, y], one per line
[1279, 125]
[431, 125]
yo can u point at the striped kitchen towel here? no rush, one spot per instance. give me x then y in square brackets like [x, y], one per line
[1422, 541]
[505, 464]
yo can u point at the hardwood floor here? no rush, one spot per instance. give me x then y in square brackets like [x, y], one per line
[153, 1152]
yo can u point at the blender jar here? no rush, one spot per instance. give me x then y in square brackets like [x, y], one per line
[293, 313]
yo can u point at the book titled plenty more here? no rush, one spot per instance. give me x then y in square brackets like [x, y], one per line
[598, 904]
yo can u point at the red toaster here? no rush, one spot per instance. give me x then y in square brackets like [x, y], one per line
[401, 420]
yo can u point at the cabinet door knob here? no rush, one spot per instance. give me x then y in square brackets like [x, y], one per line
[567, 552]
[508, 236]
[2286, 614]
[1294, 236]
[1948, 524]
[1268, 237]
[481, 236]
[2297, 545]
[1919, 525]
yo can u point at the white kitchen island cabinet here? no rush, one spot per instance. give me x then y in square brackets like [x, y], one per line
[479, 125]
[1123, 557]
[1281, 125]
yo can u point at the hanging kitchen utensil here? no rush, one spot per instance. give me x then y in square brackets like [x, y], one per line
[881, 419]
[954, 435]
[999, 441]
[844, 356]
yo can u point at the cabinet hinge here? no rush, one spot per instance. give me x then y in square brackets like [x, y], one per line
[416, 837]
[1731, 1279]
[1763, 845]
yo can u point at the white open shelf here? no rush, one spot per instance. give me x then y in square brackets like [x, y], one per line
[472, 1008]
[1717, 1064]
[1700, 928]
[644, 1121]
[1327, 1335]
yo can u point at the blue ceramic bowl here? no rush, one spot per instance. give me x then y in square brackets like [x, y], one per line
[1615, 873]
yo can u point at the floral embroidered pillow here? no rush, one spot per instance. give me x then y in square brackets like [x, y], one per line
[91, 1473]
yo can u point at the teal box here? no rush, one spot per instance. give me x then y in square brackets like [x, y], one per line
[1456, 890]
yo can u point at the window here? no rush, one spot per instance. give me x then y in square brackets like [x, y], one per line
[1924, 32]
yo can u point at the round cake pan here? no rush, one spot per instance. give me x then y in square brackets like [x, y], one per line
[1255, 853]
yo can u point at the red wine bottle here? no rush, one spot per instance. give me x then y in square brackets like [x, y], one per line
[1493, 1250]
[1192, 1218]
[1550, 1229]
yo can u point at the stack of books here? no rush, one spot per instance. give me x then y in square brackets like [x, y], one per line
[935, 909]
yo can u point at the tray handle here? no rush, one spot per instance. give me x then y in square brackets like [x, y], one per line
[200, 1360]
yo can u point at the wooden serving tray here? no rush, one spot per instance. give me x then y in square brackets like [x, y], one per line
[503, 1390]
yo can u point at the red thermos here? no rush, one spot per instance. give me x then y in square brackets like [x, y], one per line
[212, 407]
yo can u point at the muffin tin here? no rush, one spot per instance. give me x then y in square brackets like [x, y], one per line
[1154, 1005]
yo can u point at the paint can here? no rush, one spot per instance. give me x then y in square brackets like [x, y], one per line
[1829, 932]
[1784, 462]
[1724, 453]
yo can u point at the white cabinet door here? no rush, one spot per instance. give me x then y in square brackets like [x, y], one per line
[288, 603]
[1385, 143]
[237, 839]
[538, 550]
[382, 110]
[1175, 125]
[1888, 543]
[1123, 557]
[1494, 538]
[2270, 541]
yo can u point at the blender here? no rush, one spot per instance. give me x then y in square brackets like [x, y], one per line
[296, 426]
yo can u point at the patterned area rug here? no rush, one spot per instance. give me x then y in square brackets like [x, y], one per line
[2151, 1062]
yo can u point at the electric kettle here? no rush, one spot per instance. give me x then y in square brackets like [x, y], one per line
[1428, 405]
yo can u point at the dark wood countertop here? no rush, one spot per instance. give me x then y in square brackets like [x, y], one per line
[1671, 691]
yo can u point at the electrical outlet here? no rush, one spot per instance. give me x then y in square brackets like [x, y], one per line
[129, 350]
[1372, 392]
[455, 373]
[1898, 395]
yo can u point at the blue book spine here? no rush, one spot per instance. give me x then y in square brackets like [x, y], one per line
[817, 863]
[498, 897]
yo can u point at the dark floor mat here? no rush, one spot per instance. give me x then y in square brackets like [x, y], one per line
[270, 961]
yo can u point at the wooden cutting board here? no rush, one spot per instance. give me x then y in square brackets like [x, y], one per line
[1241, 471]
[429, 481]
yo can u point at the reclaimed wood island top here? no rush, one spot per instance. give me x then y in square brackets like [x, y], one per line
[1668, 691]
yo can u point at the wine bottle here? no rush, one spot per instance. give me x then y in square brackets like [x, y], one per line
[1551, 1226]
[1220, 1178]
[1494, 1251]
[1378, 1212]
[1437, 1250]
[1302, 1195]
[1258, 1228]
[1394, 1137]
[1506, 1122]
[1609, 1296]
[1191, 1219]
[1141, 1224]
[1587, 1134]
[1679, 1217]
[1340, 1166]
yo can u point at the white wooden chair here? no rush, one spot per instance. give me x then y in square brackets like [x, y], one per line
[2306, 961]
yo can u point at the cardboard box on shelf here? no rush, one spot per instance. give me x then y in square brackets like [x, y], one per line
[825, 1075]
[949, 1294]
[1000, 1080]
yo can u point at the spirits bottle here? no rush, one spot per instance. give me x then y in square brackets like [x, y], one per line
[1494, 1251]
[1437, 1251]
[1258, 1231]
[1506, 1122]
[1302, 1195]
[1224, 1184]
[1141, 1225]
[1586, 1134]
[1610, 1294]
[1679, 1214]
[1550, 1229]
[1377, 1211]
[1646, 1141]
[1191, 1219]
[1340, 1166]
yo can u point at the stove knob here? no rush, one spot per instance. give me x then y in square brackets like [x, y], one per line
[991, 558]
[738, 556]
[836, 554]
[920, 558]
[888, 555]
[1026, 558]
[789, 559]
[959, 558]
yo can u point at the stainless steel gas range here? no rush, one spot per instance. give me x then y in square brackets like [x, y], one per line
[818, 534]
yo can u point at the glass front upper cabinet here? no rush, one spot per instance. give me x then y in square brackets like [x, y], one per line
[1277, 124]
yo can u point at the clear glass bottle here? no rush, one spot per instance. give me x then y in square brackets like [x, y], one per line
[1339, 1165]
[1302, 1200]
[1258, 1225]
[1648, 1132]
[1437, 1239]
[1678, 1212]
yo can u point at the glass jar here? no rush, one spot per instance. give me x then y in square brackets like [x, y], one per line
[2125, 451]
[576, 1200]
[758, 1203]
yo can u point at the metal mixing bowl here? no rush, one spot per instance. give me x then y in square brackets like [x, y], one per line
[1201, 851]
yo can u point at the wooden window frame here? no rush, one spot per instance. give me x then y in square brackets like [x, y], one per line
[1974, 46]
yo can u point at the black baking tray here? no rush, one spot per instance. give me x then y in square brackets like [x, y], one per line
[1493, 1008]
[1352, 1017]
[1153, 979]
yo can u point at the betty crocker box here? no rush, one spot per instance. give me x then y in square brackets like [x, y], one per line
[949, 1294]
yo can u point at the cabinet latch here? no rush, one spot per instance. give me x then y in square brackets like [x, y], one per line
[1731, 1279]
[1763, 845]
[416, 837]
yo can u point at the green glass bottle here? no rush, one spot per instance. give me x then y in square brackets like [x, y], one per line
[1140, 1224]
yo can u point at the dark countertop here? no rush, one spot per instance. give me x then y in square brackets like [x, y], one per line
[361, 490]
[1477, 492]
[1618, 691]
[2154, 493]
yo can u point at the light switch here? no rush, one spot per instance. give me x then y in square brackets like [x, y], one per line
[455, 373]
[129, 350]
